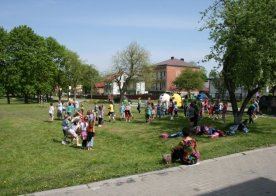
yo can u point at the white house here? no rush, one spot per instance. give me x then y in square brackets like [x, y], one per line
[110, 85]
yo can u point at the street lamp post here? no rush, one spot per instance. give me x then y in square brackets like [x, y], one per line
[60, 93]
[69, 93]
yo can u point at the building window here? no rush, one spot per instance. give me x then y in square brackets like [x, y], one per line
[163, 74]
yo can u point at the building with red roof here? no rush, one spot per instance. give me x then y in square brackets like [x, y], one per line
[167, 71]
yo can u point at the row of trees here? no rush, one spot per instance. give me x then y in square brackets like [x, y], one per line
[33, 65]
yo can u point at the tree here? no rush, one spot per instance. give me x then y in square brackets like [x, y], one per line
[130, 61]
[90, 76]
[244, 35]
[28, 56]
[148, 76]
[189, 80]
[8, 72]
[202, 68]
[73, 69]
[57, 55]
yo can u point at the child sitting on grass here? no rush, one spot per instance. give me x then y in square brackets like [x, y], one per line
[186, 150]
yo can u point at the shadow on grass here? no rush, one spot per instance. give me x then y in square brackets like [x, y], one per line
[57, 141]
[48, 121]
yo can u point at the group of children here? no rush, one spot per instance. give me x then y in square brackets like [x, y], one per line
[80, 128]
[64, 108]
[196, 109]
[77, 125]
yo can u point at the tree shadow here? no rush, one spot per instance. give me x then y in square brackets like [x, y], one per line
[258, 186]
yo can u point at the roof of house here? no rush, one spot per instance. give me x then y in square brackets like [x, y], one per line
[111, 77]
[99, 85]
[107, 78]
[177, 63]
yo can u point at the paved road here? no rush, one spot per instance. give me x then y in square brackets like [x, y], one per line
[247, 173]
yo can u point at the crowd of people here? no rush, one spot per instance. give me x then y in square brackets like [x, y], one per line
[79, 126]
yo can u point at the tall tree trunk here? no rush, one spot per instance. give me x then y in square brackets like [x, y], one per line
[235, 110]
[26, 98]
[8, 97]
[59, 94]
[231, 87]
[189, 94]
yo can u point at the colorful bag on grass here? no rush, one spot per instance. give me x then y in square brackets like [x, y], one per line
[164, 135]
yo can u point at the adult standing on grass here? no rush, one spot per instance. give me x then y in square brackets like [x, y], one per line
[51, 111]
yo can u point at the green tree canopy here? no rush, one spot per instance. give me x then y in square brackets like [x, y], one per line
[34, 65]
[28, 54]
[8, 81]
[244, 35]
[73, 69]
[89, 77]
[190, 80]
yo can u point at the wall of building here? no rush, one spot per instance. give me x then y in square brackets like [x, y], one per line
[172, 73]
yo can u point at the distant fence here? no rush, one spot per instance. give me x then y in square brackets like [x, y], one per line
[227, 97]
[143, 96]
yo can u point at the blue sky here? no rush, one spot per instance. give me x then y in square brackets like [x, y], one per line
[97, 30]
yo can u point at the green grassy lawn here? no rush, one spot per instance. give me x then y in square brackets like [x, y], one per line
[33, 158]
